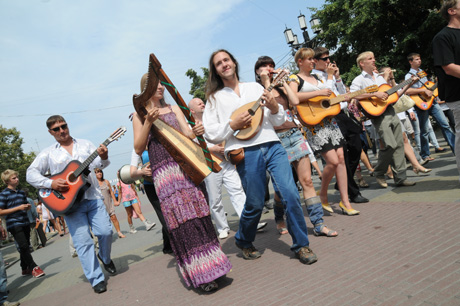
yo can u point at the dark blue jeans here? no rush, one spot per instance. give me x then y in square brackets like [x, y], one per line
[271, 157]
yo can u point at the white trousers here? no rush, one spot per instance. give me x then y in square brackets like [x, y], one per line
[229, 178]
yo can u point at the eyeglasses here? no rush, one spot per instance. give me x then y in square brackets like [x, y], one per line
[324, 58]
[63, 127]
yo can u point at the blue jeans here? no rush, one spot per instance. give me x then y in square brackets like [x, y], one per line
[3, 292]
[258, 159]
[438, 115]
[315, 213]
[91, 213]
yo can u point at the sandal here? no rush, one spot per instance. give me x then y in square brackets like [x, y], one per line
[282, 230]
[362, 183]
[208, 287]
[330, 233]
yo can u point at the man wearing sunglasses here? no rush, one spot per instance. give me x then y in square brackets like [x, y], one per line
[351, 129]
[89, 211]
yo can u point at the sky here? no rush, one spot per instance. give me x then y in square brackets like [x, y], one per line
[84, 59]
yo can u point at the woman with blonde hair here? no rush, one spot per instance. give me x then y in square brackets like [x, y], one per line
[325, 137]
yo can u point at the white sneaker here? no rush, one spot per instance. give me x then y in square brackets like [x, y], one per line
[132, 230]
[148, 225]
[223, 235]
[261, 225]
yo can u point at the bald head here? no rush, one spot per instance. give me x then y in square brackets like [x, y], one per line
[196, 106]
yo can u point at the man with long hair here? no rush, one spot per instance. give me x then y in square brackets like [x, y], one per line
[262, 152]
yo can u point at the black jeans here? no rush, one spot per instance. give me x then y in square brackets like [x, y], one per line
[21, 235]
[153, 198]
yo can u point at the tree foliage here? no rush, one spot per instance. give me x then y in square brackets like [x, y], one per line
[13, 157]
[390, 28]
[198, 86]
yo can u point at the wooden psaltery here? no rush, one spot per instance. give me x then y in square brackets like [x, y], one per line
[195, 160]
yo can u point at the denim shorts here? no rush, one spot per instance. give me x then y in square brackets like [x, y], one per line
[294, 143]
[129, 203]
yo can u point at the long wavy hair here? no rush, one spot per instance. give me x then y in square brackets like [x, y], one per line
[215, 82]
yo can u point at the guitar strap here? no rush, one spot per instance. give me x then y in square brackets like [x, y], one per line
[302, 81]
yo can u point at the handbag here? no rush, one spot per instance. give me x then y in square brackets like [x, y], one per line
[236, 156]
[403, 104]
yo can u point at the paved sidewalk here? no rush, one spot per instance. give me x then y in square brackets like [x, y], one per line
[403, 249]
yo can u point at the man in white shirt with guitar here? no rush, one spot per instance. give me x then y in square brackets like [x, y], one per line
[87, 209]
[224, 121]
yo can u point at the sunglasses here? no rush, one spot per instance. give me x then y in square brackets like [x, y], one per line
[63, 127]
[324, 58]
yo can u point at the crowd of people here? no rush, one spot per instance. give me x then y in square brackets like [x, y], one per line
[290, 129]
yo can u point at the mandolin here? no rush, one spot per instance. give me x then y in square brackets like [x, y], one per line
[257, 113]
[314, 110]
[75, 174]
[375, 106]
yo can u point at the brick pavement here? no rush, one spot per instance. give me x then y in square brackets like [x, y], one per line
[403, 249]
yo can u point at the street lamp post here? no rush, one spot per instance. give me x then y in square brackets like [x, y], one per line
[292, 40]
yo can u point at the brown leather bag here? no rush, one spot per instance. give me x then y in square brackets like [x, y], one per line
[236, 156]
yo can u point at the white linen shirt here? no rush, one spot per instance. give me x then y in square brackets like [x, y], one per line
[219, 108]
[55, 158]
[365, 79]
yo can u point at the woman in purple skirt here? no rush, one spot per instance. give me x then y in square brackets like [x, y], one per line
[193, 238]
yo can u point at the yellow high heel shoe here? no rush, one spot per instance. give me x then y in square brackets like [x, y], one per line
[326, 206]
[346, 211]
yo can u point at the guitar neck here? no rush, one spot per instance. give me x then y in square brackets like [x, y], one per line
[398, 87]
[343, 97]
[89, 160]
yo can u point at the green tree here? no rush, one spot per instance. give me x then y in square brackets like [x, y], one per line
[390, 28]
[13, 157]
[198, 86]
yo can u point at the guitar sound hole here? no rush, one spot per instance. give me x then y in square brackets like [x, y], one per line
[325, 104]
[72, 178]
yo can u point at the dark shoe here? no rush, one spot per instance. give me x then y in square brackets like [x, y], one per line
[405, 183]
[439, 150]
[306, 256]
[208, 287]
[26, 272]
[359, 199]
[101, 287]
[167, 251]
[249, 253]
[109, 267]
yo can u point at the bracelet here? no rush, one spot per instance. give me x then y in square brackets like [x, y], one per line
[392, 78]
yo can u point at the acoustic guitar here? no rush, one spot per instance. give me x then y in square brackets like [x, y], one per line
[375, 106]
[317, 108]
[75, 174]
[257, 113]
[421, 100]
